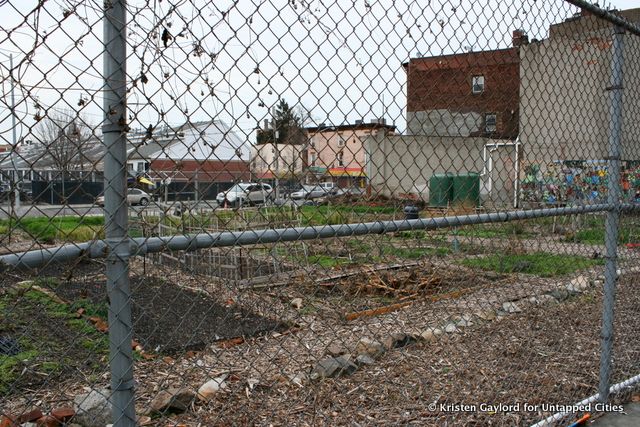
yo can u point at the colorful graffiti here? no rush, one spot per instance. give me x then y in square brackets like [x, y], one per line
[577, 182]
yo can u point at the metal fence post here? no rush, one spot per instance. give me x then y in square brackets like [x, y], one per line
[613, 214]
[116, 212]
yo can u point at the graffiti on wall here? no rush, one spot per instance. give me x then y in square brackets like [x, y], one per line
[576, 182]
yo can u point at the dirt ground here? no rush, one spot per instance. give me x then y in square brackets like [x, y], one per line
[545, 352]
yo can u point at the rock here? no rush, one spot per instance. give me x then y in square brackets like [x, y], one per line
[542, 299]
[364, 359]
[581, 281]
[296, 303]
[93, 409]
[511, 307]
[431, 334]
[398, 340]
[578, 285]
[30, 416]
[370, 348]
[573, 290]
[450, 328]
[333, 367]
[560, 294]
[299, 379]
[465, 321]
[172, 400]
[212, 387]
[63, 414]
[144, 420]
[335, 350]
[47, 421]
[7, 421]
[487, 315]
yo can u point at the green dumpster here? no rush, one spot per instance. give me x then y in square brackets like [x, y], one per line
[440, 190]
[466, 189]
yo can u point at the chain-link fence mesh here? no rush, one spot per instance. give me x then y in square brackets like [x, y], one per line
[318, 212]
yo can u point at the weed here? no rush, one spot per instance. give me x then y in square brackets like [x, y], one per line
[540, 263]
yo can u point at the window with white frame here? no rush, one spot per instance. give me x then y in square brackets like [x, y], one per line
[477, 84]
[340, 159]
[313, 158]
[490, 122]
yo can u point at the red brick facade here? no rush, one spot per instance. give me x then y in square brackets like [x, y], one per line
[207, 170]
[445, 83]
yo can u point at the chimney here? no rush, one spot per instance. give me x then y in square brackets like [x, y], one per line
[520, 38]
[266, 124]
[382, 121]
[359, 122]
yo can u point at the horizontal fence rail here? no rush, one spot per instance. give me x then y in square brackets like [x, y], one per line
[142, 246]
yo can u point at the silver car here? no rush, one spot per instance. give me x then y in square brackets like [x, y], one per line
[135, 196]
[310, 192]
[246, 193]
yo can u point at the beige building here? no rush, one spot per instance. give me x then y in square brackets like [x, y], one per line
[564, 101]
[270, 160]
[337, 153]
[402, 165]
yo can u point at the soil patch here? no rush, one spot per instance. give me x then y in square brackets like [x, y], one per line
[168, 318]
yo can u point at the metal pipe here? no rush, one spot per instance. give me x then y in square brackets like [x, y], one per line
[516, 181]
[613, 215]
[606, 15]
[140, 246]
[116, 244]
[588, 401]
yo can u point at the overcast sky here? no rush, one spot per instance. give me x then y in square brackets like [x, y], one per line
[341, 60]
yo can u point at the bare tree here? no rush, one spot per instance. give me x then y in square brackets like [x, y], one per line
[64, 135]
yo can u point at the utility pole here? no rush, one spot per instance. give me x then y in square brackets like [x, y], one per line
[15, 205]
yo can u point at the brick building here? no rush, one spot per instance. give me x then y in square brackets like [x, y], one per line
[467, 94]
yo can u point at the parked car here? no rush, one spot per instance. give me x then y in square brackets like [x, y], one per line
[246, 193]
[350, 191]
[329, 187]
[135, 196]
[311, 192]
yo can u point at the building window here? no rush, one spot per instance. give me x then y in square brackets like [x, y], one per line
[314, 158]
[340, 158]
[490, 120]
[477, 84]
[341, 141]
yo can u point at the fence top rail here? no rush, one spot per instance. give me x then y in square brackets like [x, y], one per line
[142, 245]
[607, 15]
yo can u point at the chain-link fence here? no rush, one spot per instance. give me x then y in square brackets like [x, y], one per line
[318, 212]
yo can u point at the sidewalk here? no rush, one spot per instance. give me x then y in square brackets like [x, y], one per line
[629, 418]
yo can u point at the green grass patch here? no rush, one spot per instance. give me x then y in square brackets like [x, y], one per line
[38, 350]
[595, 236]
[327, 261]
[490, 231]
[540, 263]
[65, 228]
